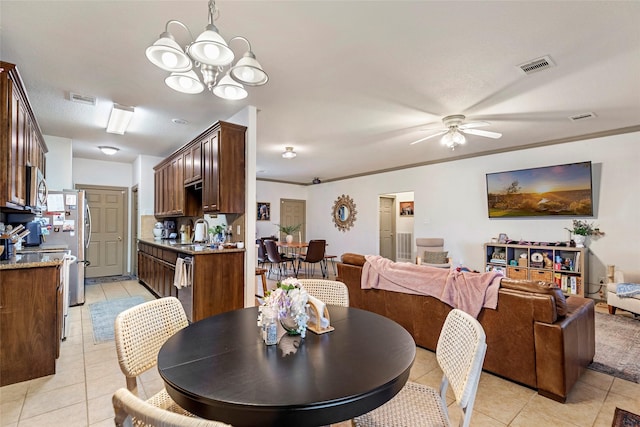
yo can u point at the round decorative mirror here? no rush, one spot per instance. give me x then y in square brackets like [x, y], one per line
[344, 212]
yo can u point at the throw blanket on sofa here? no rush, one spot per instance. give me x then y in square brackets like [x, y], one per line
[467, 291]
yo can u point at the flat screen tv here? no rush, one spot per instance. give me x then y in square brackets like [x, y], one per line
[562, 190]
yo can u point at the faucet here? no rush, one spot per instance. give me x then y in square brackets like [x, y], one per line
[206, 231]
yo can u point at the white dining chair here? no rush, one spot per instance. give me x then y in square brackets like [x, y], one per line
[139, 332]
[460, 353]
[329, 292]
[128, 405]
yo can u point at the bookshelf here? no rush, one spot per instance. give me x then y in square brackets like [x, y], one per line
[565, 266]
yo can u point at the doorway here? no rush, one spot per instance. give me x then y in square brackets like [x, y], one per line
[107, 251]
[293, 212]
[387, 227]
[134, 230]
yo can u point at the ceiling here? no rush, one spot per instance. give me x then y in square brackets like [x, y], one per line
[352, 83]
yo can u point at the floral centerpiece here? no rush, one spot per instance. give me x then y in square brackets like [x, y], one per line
[289, 300]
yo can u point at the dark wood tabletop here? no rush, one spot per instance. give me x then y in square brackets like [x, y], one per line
[219, 368]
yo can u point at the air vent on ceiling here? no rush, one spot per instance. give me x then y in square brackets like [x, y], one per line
[535, 65]
[582, 116]
[82, 99]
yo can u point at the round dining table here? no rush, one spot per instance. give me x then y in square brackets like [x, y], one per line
[220, 368]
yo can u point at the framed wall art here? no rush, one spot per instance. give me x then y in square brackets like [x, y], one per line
[406, 208]
[264, 211]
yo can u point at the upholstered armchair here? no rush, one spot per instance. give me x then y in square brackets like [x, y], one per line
[431, 252]
[632, 303]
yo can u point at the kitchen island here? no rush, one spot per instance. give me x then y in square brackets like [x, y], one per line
[215, 277]
[31, 310]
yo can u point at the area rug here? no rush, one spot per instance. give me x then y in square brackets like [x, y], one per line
[617, 347]
[622, 418]
[107, 279]
[104, 313]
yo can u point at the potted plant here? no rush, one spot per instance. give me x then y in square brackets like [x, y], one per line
[288, 230]
[582, 229]
[218, 231]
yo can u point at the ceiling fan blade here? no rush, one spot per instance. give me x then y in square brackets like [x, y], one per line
[429, 137]
[485, 133]
[471, 125]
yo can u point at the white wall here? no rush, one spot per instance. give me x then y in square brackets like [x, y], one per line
[450, 202]
[59, 163]
[272, 192]
[143, 178]
[98, 172]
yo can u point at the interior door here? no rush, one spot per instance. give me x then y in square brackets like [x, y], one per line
[107, 250]
[294, 212]
[387, 227]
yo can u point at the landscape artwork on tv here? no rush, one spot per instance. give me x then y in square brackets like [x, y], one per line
[562, 190]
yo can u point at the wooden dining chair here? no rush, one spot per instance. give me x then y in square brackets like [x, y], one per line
[277, 259]
[460, 353]
[314, 255]
[139, 332]
[127, 404]
[329, 292]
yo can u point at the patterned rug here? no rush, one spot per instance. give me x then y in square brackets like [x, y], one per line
[107, 279]
[617, 346]
[103, 315]
[622, 418]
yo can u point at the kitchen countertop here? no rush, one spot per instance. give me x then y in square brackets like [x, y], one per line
[192, 249]
[32, 259]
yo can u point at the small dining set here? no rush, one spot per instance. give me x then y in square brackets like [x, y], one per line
[219, 371]
[279, 255]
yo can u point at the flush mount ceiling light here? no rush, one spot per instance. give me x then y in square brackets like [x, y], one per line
[211, 54]
[119, 119]
[288, 153]
[109, 151]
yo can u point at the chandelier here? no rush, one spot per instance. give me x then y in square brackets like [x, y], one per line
[212, 55]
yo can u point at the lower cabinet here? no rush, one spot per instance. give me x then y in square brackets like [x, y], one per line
[30, 322]
[218, 278]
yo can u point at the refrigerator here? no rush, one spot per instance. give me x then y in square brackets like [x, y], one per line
[67, 225]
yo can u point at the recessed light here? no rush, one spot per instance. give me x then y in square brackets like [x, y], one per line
[179, 121]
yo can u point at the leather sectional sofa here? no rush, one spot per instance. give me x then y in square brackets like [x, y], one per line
[535, 337]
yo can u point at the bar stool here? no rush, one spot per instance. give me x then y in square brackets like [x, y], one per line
[262, 273]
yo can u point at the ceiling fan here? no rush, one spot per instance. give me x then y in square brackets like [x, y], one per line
[453, 130]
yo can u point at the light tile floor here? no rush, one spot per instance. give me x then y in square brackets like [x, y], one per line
[87, 375]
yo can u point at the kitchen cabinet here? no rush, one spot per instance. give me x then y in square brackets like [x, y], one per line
[21, 142]
[223, 158]
[218, 277]
[30, 322]
[193, 163]
[170, 195]
[221, 169]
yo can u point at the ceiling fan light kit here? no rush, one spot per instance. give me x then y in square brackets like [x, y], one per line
[454, 129]
[211, 54]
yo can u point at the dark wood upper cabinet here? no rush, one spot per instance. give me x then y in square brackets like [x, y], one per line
[207, 175]
[21, 141]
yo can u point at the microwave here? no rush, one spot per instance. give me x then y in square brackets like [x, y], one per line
[37, 190]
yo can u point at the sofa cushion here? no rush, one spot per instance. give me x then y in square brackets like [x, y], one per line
[435, 257]
[541, 288]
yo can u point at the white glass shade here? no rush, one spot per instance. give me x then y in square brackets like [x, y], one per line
[185, 82]
[248, 71]
[109, 151]
[166, 54]
[229, 89]
[210, 48]
[289, 153]
[453, 138]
